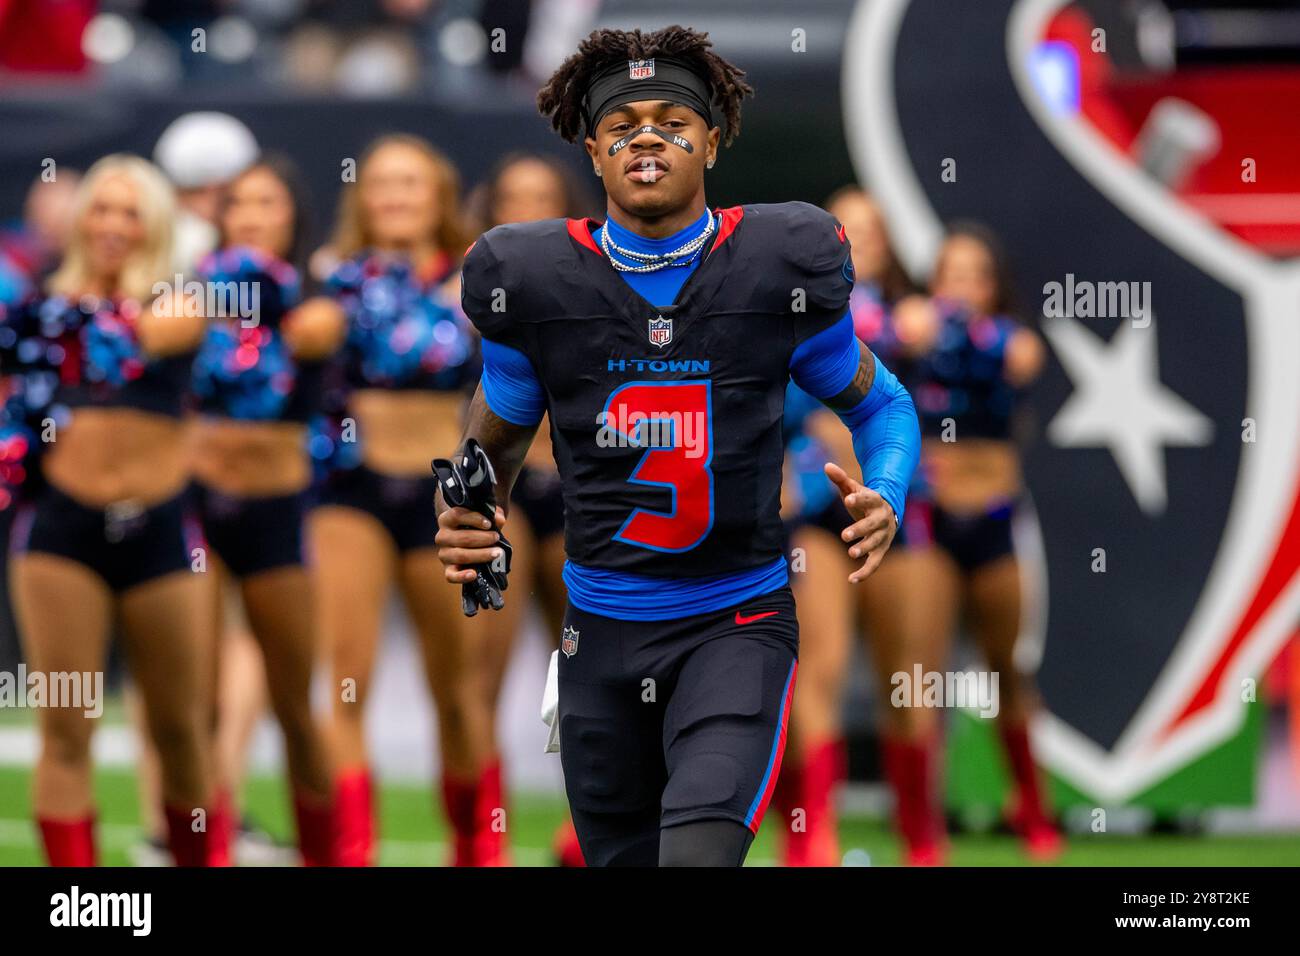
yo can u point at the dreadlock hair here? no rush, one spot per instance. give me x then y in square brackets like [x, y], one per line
[562, 97]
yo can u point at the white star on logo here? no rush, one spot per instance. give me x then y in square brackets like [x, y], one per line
[1119, 403]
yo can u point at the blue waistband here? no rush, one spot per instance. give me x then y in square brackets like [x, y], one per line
[637, 597]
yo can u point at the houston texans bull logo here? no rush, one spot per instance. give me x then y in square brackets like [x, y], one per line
[1139, 447]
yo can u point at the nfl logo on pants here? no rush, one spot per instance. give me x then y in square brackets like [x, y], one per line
[661, 332]
[569, 641]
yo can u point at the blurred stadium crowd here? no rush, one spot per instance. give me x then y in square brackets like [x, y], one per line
[345, 47]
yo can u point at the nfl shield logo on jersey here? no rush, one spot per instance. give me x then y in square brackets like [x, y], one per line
[569, 641]
[661, 332]
[640, 69]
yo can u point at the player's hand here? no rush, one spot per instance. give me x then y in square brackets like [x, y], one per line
[466, 538]
[874, 524]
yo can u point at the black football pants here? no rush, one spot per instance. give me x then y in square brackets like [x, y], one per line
[671, 732]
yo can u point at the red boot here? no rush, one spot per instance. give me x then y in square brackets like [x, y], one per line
[909, 765]
[812, 838]
[69, 842]
[354, 818]
[208, 845]
[490, 845]
[1028, 815]
[475, 811]
[318, 829]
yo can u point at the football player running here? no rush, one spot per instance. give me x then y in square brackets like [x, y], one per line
[660, 344]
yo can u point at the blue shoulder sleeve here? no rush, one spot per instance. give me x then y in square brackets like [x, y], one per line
[823, 364]
[510, 385]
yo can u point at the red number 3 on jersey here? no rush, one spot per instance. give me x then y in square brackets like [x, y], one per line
[674, 421]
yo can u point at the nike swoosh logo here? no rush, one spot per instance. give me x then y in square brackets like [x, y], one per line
[756, 617]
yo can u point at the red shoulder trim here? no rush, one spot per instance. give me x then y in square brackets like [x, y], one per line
[840, 232]
[730, 219]
[580, 230]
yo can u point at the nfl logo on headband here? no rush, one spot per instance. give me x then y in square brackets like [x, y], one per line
[640, 69]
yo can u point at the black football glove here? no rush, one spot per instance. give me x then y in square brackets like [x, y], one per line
[467, 481]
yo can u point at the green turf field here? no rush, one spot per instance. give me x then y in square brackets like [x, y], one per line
[413, 835]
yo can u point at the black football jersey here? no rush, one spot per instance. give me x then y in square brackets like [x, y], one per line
[665, 421]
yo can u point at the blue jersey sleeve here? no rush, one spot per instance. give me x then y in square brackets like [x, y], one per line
[511, 387]
[823, 364]
[886, 434]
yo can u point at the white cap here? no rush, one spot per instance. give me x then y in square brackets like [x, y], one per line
[200, 149]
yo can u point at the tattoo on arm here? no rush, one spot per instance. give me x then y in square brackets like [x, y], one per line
[863, 379]
[505, 443]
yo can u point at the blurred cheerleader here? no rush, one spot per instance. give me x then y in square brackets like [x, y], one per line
[407, 361]
[101, 364]
[828, 606]
[526, 187]
[257, 384]
[972, 361]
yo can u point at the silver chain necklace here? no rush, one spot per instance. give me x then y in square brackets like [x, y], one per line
[652, 261]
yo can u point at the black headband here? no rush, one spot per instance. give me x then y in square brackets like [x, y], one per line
[660, 78]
